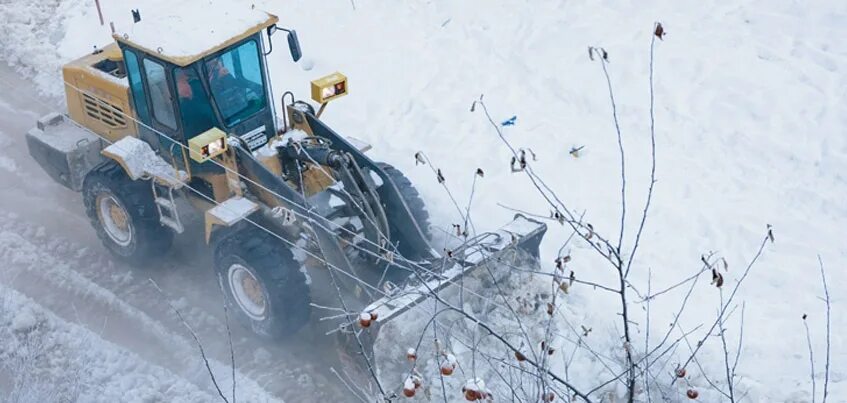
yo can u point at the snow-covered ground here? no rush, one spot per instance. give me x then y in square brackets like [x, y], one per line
[750, 131]
[51, 360]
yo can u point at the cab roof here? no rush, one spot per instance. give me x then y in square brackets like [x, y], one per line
[186, 32]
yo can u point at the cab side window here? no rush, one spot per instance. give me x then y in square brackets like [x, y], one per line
[137, 86]
[160, 94]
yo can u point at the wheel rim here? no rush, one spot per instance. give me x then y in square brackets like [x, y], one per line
[247, 292]
[114, 219]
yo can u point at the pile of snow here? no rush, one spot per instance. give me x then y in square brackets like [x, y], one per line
[516, 306]
[140, 161]
[749, 132]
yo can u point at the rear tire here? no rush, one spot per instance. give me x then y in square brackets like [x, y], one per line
[123, 213]
[413, 200]
[262, 283]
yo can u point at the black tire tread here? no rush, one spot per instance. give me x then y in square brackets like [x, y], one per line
[279, 273]
[412, 198]
[150, 240]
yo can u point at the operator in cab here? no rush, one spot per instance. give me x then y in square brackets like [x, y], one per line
[197, 114]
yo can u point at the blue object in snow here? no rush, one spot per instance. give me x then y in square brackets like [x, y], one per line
[510, 121]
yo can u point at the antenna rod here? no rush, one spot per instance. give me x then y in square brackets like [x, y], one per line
[99, 12]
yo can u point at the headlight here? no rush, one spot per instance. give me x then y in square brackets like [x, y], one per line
[328, 88]
[216, 147]
[207, 145]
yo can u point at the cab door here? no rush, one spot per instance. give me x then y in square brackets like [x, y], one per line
[155, 104]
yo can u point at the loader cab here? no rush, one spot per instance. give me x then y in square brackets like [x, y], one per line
[178, 94]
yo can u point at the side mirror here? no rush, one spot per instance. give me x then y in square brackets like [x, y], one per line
[294, 45]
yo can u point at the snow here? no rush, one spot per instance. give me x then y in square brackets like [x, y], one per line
[121, 81]
[24, 320]
[233, 209]
[750, 118]
[49, 356]
[8, 164]
[50, 317]
[63, 134]
[141, 162]
[183, 30]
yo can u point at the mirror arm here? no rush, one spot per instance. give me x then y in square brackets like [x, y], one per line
[292, 40]
[271, 30]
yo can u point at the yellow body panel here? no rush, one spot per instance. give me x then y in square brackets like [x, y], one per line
[97, 99]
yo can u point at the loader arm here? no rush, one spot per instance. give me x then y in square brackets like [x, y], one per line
[327, 241]
[396, 210]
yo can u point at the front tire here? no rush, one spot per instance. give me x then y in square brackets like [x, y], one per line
[263, 283]
[413, 200]
[123, 213]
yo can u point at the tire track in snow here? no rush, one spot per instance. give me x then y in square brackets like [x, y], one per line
[45, 269]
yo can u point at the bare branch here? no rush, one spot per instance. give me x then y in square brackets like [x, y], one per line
[730, 375]
[228, 334]
[652, 158]
[828, 330]
[603, 61]
[347, 385]
[811, 358]
[729, 300]
[194, 335]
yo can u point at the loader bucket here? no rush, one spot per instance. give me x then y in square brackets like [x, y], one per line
[511, 246]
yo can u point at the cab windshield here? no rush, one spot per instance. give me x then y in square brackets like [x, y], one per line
[235, 79]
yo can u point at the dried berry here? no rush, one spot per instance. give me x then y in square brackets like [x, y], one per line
[660, 31]
[365, 319]
[408, 392]
[472, 395]
[519, 356]
[447, 369]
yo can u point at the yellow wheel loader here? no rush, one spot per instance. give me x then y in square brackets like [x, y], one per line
[180, 111]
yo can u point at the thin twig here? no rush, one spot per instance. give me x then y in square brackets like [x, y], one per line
[811, 358]
[700, 367]
[740, 341]
[603, 62]
[647, 339]
[228, 334]
[730, 376]
[729, 301]
[706, 267]
[652, 162]
[347, 385]
[828, 331]
[618, 263]
[194, 335]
